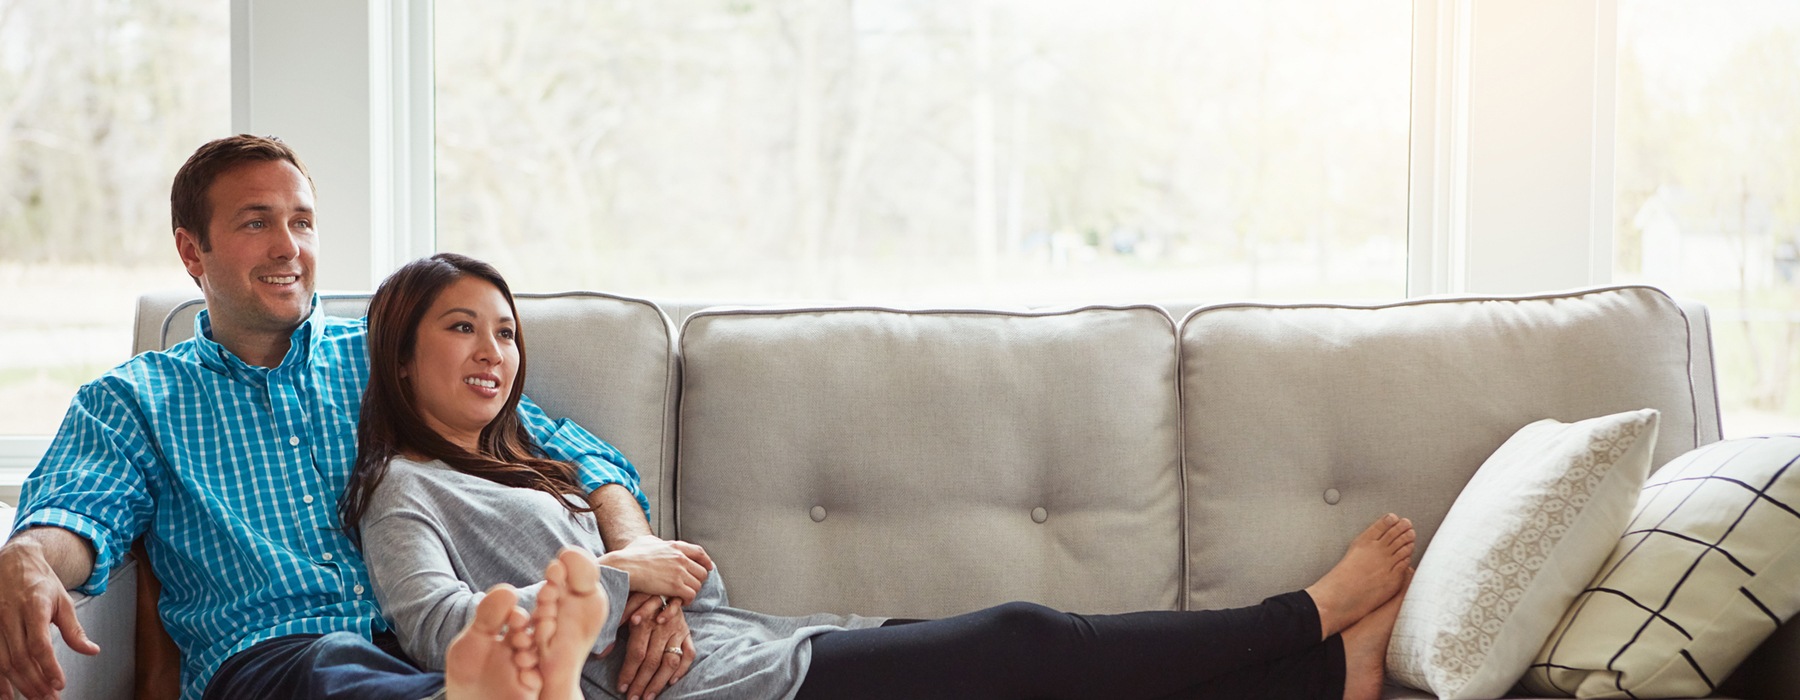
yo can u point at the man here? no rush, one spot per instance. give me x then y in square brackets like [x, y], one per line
[228, 453]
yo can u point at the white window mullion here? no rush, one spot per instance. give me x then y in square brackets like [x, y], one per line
[349, 111]
[1511, 185]
[18, 455]
[1437, 221]
[406, 223]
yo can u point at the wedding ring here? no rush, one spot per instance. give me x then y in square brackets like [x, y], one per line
[673, 650]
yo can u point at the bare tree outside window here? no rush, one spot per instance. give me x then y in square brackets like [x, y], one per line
[100, 102]
[1707, 198]
[929, 150]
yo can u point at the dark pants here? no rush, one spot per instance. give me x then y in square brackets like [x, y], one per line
[1021, 650]
[314, 667]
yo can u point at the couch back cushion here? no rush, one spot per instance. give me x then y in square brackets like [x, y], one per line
[927, 463]
[1303, 423]
[605, 361]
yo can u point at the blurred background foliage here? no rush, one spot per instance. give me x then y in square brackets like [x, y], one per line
[903, 150]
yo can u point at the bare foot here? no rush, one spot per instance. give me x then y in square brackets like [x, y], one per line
[1367, 576]
[481, 664]
[1365, 647]
[570, 610]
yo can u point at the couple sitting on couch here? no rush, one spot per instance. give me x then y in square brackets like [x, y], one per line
[233, 452]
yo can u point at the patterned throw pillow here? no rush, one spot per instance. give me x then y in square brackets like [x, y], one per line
[1535, 522]
[1708, 567]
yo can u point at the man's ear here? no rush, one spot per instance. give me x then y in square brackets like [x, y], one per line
[187, 245]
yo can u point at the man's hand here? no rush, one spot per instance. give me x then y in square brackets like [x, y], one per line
[32, 598]
[656, 626]
[668, 568]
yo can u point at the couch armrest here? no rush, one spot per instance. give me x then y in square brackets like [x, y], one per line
[111, 621]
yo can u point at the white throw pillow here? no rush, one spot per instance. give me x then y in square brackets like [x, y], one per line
[1708, 567]
[1523, 538]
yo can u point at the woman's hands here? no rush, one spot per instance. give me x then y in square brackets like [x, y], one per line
[668, 568]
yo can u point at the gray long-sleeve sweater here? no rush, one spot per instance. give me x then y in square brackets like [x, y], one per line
[435, 539]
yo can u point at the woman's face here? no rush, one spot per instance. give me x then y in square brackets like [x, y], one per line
[463, 364]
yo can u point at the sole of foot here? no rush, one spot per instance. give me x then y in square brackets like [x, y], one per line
[1366, 644]
[570, 610]
[1371, 571]
[486, 661]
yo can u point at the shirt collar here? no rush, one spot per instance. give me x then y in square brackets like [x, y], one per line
[300, 343]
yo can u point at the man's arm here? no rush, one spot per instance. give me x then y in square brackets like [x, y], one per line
[68, 555]
[597, 463]
[78, 513]
[37, 567]
[620, 518]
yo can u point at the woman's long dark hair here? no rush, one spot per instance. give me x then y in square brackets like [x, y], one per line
[391, 422]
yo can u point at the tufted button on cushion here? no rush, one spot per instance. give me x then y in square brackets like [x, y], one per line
[1039, 515]
[1332, 496]
[818, 514]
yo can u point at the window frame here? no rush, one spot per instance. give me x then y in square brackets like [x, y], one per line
[363, 116]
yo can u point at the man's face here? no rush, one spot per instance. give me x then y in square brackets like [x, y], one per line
[258, 275]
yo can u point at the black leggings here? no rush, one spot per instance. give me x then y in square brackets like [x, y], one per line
[1022, 650]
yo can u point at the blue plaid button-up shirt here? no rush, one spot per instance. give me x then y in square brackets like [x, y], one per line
[234, 472]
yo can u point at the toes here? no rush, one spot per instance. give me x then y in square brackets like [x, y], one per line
[1403, 539]
[525, 658]
[549, 601]
[557, 574]
[1396, 529]
[556, 580]
[519, 635]
[1379, 528]
[583, 575]
[531, 678]
[495, 610]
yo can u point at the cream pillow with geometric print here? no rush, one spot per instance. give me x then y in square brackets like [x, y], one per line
[1707, 569]
[1521, 541]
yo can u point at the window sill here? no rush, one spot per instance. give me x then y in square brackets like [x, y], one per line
[18, 456]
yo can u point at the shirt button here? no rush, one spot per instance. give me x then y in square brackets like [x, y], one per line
[295, 441]
[306, 499]
[358, 589]
[328, 556]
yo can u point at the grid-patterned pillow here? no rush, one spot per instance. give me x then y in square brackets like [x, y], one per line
[1708, 568]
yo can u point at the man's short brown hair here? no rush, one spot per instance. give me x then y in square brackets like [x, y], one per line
[188, 205]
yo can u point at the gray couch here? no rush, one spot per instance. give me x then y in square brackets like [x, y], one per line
[920, 463]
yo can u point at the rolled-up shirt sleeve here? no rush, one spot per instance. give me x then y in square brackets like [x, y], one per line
[92, 481]
[598, 463]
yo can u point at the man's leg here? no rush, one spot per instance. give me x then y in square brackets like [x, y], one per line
[314, 667]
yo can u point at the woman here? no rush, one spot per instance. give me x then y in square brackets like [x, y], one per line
[449, 498]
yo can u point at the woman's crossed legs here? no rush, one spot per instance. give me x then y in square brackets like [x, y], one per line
[1326, 642]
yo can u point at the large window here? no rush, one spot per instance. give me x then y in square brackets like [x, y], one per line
[100, 102]
[1708, 184]
[927, 150]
